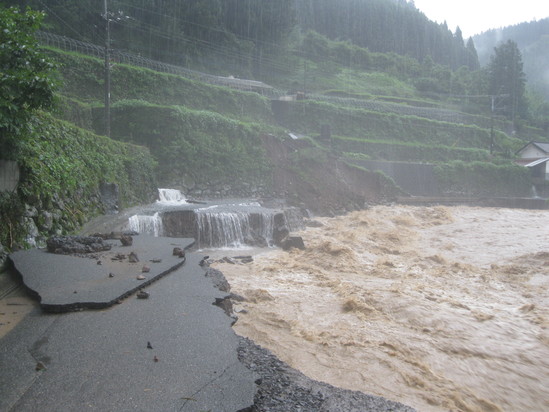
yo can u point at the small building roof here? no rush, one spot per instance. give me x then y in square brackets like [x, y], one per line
[544, 147]
[537, 162]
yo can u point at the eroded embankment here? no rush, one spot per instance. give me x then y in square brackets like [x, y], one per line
[437, 308]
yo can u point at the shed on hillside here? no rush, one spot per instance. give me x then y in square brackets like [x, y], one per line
[535, 156]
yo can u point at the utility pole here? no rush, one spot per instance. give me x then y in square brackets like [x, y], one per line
[492, 125]
[492, 114]
[107, 73]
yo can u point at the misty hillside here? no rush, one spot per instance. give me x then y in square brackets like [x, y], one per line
[532, 39]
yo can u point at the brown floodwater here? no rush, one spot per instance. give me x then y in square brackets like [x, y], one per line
[441, 308]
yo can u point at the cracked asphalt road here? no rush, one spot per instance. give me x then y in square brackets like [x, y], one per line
[99, 360]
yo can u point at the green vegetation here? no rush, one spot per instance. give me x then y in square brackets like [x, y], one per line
[59, 157]
[508, 81]
[83, 82]
[26, 75]
[308, 116]
[62, 168]
[193, 145]
[472, 179]
[407, 151]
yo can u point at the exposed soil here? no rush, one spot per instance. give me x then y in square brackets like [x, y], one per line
[326, 186]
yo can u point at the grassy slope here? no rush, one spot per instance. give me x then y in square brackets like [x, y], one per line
[204, 133]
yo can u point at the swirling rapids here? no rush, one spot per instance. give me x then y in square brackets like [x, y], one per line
[439, 308]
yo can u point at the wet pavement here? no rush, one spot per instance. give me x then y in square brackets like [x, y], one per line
[173, 351]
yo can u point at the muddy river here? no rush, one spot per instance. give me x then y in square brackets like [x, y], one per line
[441, 308]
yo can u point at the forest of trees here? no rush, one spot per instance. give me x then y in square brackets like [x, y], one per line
[268, 40]
[388, 26]
[176, 30]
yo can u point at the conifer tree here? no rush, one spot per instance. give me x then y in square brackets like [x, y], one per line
[472, 56]
[507, 79]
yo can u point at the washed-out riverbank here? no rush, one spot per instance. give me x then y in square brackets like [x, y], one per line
[173, 350]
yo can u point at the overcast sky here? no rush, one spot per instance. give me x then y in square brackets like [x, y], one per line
[476, 16]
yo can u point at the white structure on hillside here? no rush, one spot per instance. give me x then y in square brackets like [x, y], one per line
[535, 156]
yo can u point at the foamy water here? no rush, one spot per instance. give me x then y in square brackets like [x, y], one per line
[439, 308]
[171, 197]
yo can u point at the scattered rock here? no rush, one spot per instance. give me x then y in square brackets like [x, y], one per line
[145, 269]
[149, 346]
[126, 240]
[119, 257]
[39, 366]
[99, 262]
[132, 258]
[142, 294]
[177, 251]
[204, 261]
[156, 260]
[111, 275]
[140, 277]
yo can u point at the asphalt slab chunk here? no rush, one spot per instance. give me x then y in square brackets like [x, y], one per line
[67, 283]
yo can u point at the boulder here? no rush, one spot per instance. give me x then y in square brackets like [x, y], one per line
[132, 258]
[66, 245]
[126, 240]
[177, 251]
[293, 242]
